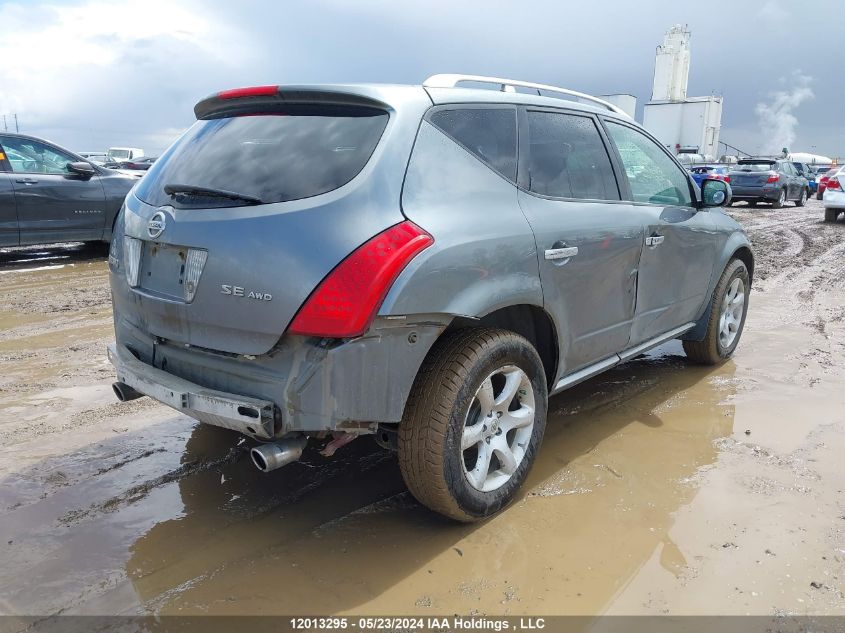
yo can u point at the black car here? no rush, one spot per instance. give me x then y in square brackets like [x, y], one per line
[49, 194]
[768, 180]
[139, 164]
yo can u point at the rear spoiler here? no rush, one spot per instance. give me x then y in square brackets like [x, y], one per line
[274, 98]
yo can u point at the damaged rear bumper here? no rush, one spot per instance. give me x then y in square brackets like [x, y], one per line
[250, 416]
[304, 384]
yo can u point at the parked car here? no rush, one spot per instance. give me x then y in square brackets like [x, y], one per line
[691, 159]
[834, 195]
[768, 180]
[822, 181]
[141, 164]
[808, 173]
[49, 194]
[422, 272]
[716, 172]
[119, 154]
[98, 158]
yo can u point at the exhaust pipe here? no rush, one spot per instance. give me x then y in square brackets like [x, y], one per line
[269, 457]
[124, 392]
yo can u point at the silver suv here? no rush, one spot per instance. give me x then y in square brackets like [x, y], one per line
[424, 263]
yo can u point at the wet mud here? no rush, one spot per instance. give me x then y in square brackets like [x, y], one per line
[662, 487]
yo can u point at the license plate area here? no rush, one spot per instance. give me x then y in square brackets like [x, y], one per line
[163, 270]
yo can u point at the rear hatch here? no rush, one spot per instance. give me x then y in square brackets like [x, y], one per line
[752, 173]
[237, 223]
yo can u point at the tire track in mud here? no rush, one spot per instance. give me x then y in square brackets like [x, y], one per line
[803, 276]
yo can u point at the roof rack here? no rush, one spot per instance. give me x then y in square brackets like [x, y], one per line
[508, 85]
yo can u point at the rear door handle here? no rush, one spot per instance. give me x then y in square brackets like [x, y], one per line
[562, 253]
[27, 181]
[654, 240]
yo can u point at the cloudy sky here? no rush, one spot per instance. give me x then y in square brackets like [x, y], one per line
[90, 74]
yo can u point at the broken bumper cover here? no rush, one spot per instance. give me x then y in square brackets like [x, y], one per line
[250, 416]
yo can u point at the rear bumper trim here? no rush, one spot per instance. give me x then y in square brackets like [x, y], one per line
[250, 416]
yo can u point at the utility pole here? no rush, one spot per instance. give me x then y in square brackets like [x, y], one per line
[17, 131]
[5, 127]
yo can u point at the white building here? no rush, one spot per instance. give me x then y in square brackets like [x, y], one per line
[683, 124]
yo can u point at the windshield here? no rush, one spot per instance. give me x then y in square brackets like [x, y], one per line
[754, 167]
[276, 157]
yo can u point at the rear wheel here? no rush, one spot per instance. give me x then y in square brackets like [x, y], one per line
[830, 215]
[803, 199]
[473, 423]
[727, 317]
[778, 204]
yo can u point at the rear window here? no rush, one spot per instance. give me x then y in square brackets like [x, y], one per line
[755, 167]
[274, 157]
[568, 159]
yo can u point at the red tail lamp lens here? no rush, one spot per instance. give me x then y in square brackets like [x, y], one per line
[346, 301]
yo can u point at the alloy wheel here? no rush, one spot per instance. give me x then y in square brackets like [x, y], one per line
[732, 312]
[498, 428]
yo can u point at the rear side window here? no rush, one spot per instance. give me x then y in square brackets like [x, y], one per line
[567, 158]
[275, 157]
[489, 133]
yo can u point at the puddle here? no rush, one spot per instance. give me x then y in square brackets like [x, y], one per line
[190, 526]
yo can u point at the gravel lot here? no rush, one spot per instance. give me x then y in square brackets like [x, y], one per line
[662, 487]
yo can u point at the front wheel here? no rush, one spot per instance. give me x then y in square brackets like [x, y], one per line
[727, 317]
[473, 423]
[803, 199]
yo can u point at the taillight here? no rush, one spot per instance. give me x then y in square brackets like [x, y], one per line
[346, 301]
[255, 91]
[834, 184]
[773, 178]
[727, 178]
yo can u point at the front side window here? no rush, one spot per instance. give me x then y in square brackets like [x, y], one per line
[32, 157]
[567, 158]
[653, 176]
[488, 133]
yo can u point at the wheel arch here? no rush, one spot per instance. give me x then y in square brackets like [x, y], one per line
[529, 321]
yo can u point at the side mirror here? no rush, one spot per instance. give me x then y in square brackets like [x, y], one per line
[715, 193]
[86, 170]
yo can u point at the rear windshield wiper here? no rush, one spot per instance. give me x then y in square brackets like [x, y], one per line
[192, 190]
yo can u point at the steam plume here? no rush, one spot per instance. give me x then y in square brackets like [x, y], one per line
[776, 118]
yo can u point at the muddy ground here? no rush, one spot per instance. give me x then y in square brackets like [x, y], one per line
[662, 487]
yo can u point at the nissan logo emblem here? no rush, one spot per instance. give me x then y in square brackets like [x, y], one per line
[157, 224]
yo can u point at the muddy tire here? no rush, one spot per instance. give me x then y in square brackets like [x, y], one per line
[830, 215]
[727, 317]
[473, 423]
[803, 199]
[778, 204]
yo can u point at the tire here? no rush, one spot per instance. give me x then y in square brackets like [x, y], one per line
[778, 204]
[715, 348]
[445, 398]
[819, 196]
[830, 215]
[803, 199]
